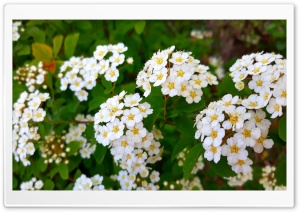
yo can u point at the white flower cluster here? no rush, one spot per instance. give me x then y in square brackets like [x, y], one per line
[242, 128]
[131, 144]
[194, 184]
[143, 181]
[15, 30]
[179, 75]
[32, 185]
[218, 63]
[32, 76]
[268, 179]
[83, 183]
[26, 111]
[240, 179]
[81, 74]
[75, 134]
[201, 34]
[268, 81]
[199, 165]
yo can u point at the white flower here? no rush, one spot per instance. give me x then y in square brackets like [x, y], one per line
[159, 76]
[280, 94]
[194, 96]
[212, 153]
[122, 146]
[77, 84]
[238, 76]
[249, 133]
[258, 84]
[120, 48]
[100, 52]
[159, 60]
[44, 96]
[131, 117]
[145, 109]
[256, 69]
[137, 132]
[242, 166]
[27, 115]
[153, 149]
[253, 102]
[129, 60]
[81, 95]
[201, 69]
[117, 59]
[239, 85]
[235, 149]
[214, 135]
[104, 65]
[198, 81]
[154, 176]
[262, 142]
[38, 185]
[179, 58]
[22, 151]
[63, 84]
[213, 117]
[258, 117]
[274, 108]
[30, 148]
[38, 115]
[157, 133]
[228, 102]
[181, 72]
[236, 118]
[104, 135]
[170, 87]
[265, 59]
[266, 95]
[132, 100]
[211, 79]
[112, 74]
[90, 82]
[34, 103]
[116, 128]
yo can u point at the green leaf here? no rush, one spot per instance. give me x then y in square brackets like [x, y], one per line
[70, 44]
[63, 171]
[186, 126]
[84, 24]
[222, 168]
[282, 128]
[25, 50]
[96, 102]
[41, 51]
[74, 147]
[150, 120]
[155, 99]
[77, 174]
[280, 172]
[15, 182]
[181, 145]
[99, 153]
[48, 185]
[183, 106]
[139, 27]
[107, 85]
[191, 159]
[57, 43]
[89, 131]
[42, 166]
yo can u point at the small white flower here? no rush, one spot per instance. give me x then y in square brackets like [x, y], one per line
[212, 153]
[120, 48]
[262, 142]
[198, 81]
[238, 76]
[116, 128]
[129, 60]
[63, 84]
[179, 58]
[214, 135]
[194, 96]
[77, 84]
[170, 87]
[154, 176]
[181, 72]
[253, 102]
[38, 115]
[145, 109]
[159, 60]
[104, 135]
[132, 100]
[256, 69]
[100, 52]
[27, 115]
[258, 84]
[38, 185]
[211, 79]
[235, 149]
[274, 108]
[34, 103]
[117, 59]
[249, 133]
[236, 118]
[112, 74]
[82, 95]
[159, 76]
[242, 166]
[131, 117]
[137, 132]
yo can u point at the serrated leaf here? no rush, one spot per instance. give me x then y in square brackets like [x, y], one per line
[139, 27]
[222, 168]
[100, 153]
[181, 145]
[48, 185]
[150, 119]
[74, 147]
[96, 102]
[63, 171]
[70, 44]
[282, 128]
[42, 51]
[57, 43]
[185, 125]
[191, 159]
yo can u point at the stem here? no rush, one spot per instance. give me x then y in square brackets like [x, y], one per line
[123, 67]
[165, 106]
[177, 100]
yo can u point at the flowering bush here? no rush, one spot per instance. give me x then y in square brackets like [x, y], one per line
[98, 106]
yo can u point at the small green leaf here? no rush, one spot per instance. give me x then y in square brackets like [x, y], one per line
[89, 131]
[42, 51]
[77, 174]
[57, 43]
[63, 171]
[150, 120]
[191, 159]
[84, 24]
[222, 168]
[181, 145]
[183, 106]
[186, 126]
[107, 85]
[99, 153]
[139, 27]
[25, 50]
[74, 147]
[96, 102]
[15, 182]
[282, 128]
[70, 44]
[48, 185]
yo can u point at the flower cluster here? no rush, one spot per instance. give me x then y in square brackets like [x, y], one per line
[131, 144]
[143, 181]
[81, 74]
[15, 30]
[31, 76]
[217, 62]
[32, 185]
[201, 34]
[75, 134]
[26, 111]
[54, 149]
[240, 179]
[192, 184]
[83, 183]
[267, 79]
[227, 128]
[199, 165]
[178, 75]
[268, 180]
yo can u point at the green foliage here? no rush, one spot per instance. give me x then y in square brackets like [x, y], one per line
[70, 44]
[222, 168]
[191, 159]
[181, 145]
[42, 51]
[57, 43]
[282, 128]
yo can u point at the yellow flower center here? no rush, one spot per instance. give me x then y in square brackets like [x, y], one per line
[257, 119]
[39, 115]
[193, 94]
[234, 149]
[159, 60]
[117, 60]
[132, 102]
[264, 61]
[283, 94]
[152, 147]
[171, 85]
[198, 82]
[104, 135]
[101, 53]
[260, 139]
[256, 70]
[116, 129]
[252, 104]
[213, 149]
[179, 59]
[112, 73]
[131, 117]
[135, 131]
[241, 162]
[124, 143]
[259, 83]
[233, 119]
[247, 133]
[183, 87]
[180, 73]
[214, 117]
[276, 107]
[242, 76]
[160, 76]
[214, 134]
